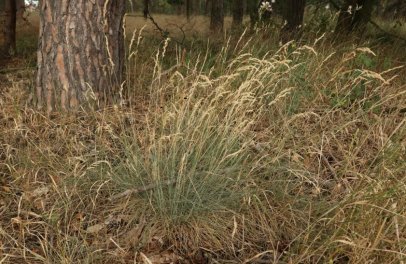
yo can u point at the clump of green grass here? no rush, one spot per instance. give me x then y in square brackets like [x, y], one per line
[196, 161]
[195, 157]
[196, 145]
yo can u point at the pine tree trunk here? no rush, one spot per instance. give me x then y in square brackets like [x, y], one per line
[217, 16]
[293, 14]
[130, 6]
[146, 8]
[20, 5]
[354, 15]
[188, 9]
[345, 17]
[238, 13]
[9, 30]
[363, 14]
[207, 4]
[252, 9]
[81, 52]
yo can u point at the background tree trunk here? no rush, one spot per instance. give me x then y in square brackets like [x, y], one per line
[293, 15]
[81, 52]
[217, 16]
[238, 13]
[363, 15]
[146, 8]
[354, 15]
[252, 9]
[207, 4]
[9, 29]
[188, 8]
[20, 5]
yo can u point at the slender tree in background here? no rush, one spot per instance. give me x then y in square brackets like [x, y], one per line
[258, 13]
[130, 6]
[207, 5]
[217, 16]
[81, 52]
[188, 8]
[9, 29]
[146, 8]
[355, 15]
[252, 9]
[293, 14]
[20, 5]
[238, 13]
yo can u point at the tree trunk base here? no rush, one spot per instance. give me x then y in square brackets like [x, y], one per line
[81, 53]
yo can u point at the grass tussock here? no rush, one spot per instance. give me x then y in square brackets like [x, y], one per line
[244, 153]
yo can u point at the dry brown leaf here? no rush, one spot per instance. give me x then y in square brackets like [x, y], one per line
[132, 237]
[40, 191]
[39, 204]
[296, 157]
[95, 228]
[6, 189]
[162, 258]
[77, 221]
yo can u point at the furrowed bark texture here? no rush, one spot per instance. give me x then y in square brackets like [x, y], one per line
[81, 52]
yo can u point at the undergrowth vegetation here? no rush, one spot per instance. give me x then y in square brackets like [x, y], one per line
[243, 153]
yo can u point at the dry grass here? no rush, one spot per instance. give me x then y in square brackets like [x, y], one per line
[242, 153]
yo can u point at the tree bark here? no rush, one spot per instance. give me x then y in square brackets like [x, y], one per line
[20, 5]
[81, 52]
[252, 9]
[354, 15]
[146, 8]
[9, 29]
[293, 15]
[217, 16]
[188, 9]
[207, 4]
[238, 13]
